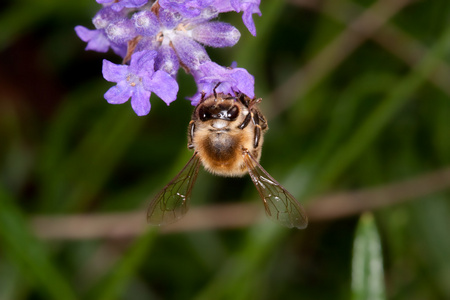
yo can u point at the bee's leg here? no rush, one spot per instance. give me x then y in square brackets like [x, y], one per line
[243, 99]
[255, 101]
[191, 130]
[246, 121]
[260, 120]
[257, 137]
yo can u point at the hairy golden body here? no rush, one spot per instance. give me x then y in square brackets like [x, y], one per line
[220, 141]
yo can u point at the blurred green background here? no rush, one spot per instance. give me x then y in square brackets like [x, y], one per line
[358, 97]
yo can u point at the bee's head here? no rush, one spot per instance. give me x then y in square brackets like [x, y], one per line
[224, 110]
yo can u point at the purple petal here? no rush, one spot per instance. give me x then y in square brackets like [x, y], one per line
[231, 80]
[96, 39]
[163, 85]
[189, 51]
[119, 94]
[120, 50]
[142, 63]
[212, 72]
[216, 34]
[249, 10]
[85, 34]
[140, 101]
[118, 6]
[195, 100]
[245, 81]
[114, 73]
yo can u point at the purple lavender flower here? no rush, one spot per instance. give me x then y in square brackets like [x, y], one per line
[97, 39]
[137, 81]
[231, 80]
[157, 39]
[184, 34]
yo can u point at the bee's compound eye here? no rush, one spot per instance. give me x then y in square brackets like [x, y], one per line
[233, 113]
[204, 114]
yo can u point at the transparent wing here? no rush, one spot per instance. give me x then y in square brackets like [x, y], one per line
[280, 205]
[172, 202]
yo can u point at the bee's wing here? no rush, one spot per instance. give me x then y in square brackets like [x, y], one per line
[172, 202]
[280, 205]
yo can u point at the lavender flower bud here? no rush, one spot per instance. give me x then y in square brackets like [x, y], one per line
[121, 31]
[147, 43]
[169, 19]
[167, 60]
[191, 54]
[216, 34]
[206, 14]
[146, 23]
[104, 17]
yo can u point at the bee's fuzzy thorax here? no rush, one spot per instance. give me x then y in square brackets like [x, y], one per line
[220, 132]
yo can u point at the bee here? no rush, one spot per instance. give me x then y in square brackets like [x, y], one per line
[226, 134]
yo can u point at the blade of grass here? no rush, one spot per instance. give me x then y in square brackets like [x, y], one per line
[25, 250]
[367, 263]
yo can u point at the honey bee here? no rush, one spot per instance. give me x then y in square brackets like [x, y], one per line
[226, 134]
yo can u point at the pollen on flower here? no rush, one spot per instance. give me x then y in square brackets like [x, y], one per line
[132, 79]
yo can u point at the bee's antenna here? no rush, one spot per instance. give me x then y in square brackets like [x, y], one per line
[214, 89]
[203, 96]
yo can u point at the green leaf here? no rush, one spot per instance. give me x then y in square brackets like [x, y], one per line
[367, 264]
